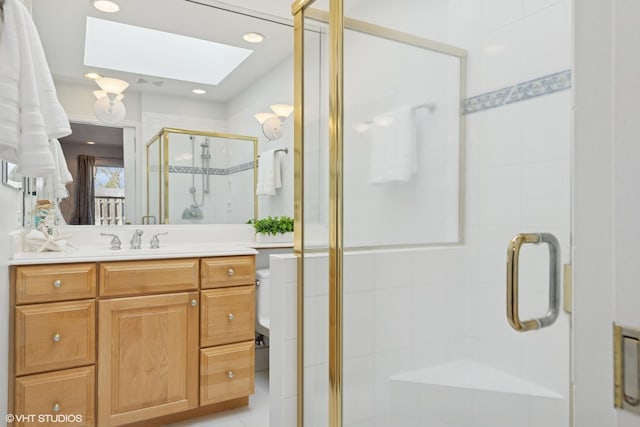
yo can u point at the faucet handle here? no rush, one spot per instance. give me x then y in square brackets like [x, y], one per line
[115, 241]
[136, 239]
[155, 242]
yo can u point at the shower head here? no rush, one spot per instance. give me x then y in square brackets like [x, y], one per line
[192, 212]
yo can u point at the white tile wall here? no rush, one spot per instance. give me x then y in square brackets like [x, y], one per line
[500, 409]
[548, 51]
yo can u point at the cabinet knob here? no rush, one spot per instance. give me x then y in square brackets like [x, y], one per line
[56, 407]
[56, 337]
[194, 303]
[57, 283]
[231, 272]
[230, 374]
[230, 316]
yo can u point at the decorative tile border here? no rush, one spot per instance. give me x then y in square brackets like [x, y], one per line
[541, 86]
[212, 171]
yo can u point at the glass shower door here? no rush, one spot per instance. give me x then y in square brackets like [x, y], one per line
[447, 136]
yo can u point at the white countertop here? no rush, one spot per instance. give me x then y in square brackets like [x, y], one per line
[101, 254]
[182, 242]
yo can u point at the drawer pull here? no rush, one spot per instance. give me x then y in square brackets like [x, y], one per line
[56, 407]
[231, 272]
[194, 303]
[230, 374]
[56, 337]
[230, 316]
[57, 283]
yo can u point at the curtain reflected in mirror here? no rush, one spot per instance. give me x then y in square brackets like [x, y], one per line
[84, 212]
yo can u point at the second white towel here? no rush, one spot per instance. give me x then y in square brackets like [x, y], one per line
[269, 175]
[393, 147]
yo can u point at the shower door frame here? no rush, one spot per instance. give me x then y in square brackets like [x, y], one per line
[162, 137]
[301, 10]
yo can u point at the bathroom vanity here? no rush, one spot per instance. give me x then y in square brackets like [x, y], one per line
[132, 341]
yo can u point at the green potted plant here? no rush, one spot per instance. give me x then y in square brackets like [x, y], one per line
[273, 229]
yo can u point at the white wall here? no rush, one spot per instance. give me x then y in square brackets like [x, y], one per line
[9, 216]
[275, 87]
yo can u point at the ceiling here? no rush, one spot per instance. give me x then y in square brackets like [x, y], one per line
[101, 135]
[61, 24]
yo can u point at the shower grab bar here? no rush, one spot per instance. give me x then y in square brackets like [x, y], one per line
[513, 258]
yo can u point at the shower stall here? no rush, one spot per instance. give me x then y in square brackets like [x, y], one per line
[432, 139]
[196, 177]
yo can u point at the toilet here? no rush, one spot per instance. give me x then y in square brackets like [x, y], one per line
[262, 301]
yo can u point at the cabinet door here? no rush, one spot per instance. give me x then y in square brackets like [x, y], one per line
[148, 358]
[228, 315]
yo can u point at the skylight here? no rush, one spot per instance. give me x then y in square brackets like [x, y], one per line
[138, 50]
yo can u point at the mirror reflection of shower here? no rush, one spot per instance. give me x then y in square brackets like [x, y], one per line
[194, 211]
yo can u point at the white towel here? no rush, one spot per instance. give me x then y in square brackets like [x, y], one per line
[29, 109]
[393, 147]
[267, 174]
[54, 187]
[276, 169]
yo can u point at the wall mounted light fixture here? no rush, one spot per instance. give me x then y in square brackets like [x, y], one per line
[273, 123]
[109, 107]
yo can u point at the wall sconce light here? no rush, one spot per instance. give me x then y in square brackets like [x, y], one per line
[273, 123]
[109, 107]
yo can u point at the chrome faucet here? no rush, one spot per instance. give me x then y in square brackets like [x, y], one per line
[155, 242]
[136, 239]
[115, 241]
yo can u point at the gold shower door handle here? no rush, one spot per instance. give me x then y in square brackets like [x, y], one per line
[513, 259]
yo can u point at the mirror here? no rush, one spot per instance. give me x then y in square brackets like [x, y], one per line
[171, 94]
[10, 177]
[196, 176]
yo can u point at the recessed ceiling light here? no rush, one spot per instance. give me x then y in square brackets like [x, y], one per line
[199, 91]
[91, 142]
[91, 75]
[253, 37]
[107, 6]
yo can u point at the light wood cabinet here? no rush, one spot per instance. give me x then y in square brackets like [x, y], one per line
[54, 336]
[228, 271]
[148, 362]
[227, 315]
[55, 397]
[44, 283]
[147, 277]
[165, 344]
[227, 372]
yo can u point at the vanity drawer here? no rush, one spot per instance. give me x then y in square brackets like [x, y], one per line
[227, 271]
[55, 282]
[227, 315]
[227, 372]
[123, 278]
[54, 336]
[69, 393]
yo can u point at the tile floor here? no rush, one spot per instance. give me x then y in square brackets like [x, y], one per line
[255, 415]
